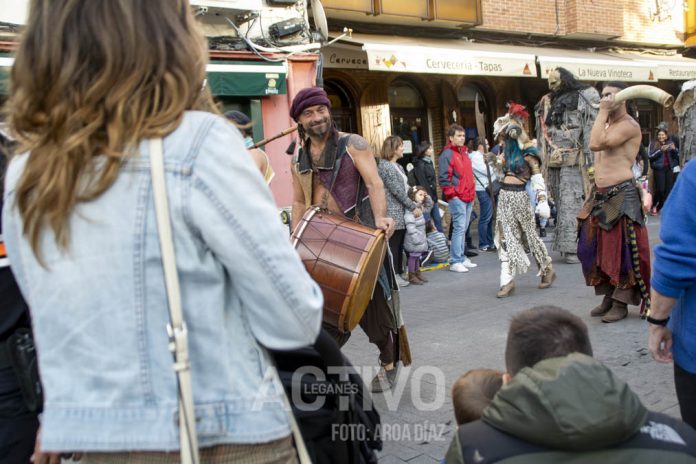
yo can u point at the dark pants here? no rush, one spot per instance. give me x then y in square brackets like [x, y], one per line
[434, 214]
[662, 183]
[685, 383]
[468, 241]
[17, 424]
[396, 245]
[376, 323]
[485, 228]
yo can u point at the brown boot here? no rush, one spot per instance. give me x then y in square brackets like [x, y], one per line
[617, 312]
[413, 279]
[547, 278]
[506, 290]
[419, 275]
[603, 307]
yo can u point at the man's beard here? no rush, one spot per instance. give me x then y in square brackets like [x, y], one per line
[319, 130]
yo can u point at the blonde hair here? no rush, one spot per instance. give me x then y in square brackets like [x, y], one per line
[389, 147]
[90, 80]
[473, 392]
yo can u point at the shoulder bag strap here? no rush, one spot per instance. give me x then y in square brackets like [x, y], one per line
[302, 453]
[477, 179]
[176, 329]
[341, 146]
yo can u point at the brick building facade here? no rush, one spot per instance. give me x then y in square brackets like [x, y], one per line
[630, 40]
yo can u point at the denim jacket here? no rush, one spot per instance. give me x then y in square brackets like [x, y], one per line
[100, 312]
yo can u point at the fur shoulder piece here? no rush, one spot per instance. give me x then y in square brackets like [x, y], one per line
[591, 96]
[684, 101]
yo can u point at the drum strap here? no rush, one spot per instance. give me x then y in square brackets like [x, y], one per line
[341, 148]
[358, 200]
[307, 182]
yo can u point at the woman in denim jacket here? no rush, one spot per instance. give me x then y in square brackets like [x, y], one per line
[90, 87]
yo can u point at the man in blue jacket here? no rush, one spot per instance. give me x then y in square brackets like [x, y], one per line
[672, 332]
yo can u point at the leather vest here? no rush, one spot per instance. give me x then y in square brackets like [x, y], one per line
[338, 174]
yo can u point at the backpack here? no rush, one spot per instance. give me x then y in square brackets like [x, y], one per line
[345, 405]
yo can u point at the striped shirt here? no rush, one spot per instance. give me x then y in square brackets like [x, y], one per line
[437, 243]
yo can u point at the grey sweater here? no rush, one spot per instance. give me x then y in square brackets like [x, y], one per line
[398, 201]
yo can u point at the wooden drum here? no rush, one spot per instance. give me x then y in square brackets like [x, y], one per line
[345, 259]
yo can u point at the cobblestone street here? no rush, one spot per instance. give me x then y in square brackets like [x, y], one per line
[456, 323]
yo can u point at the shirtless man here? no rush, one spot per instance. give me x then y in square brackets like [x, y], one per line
[329, 170]
[612, 220]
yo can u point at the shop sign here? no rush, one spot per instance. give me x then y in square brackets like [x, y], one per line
[451, 61]
[676, 71]
[344, 58]
[602, 70]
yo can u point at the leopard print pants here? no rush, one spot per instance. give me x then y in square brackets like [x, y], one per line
[514, 226]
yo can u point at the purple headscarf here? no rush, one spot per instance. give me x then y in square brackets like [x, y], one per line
[311, 96]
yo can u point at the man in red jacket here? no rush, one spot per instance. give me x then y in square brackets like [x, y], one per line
[457, 183]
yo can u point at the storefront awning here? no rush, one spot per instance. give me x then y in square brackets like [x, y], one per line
[244, 78]
[674, 67]
[617, 66]
[417, 55]
[228, 78]
[590, 66]
[449, 56]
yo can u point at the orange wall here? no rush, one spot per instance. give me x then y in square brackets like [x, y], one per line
[275, 111]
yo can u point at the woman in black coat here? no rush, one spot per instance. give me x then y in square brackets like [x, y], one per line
[664, 157]
[424, 173]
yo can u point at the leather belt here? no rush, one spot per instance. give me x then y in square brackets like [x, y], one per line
[513, 187]
[613, 190]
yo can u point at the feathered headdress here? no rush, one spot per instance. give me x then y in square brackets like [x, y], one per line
[516, 115]
[517, 111]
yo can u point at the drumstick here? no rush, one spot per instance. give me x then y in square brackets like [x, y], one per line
[285, 132]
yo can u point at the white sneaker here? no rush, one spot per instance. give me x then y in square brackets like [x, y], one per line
[401, 281]
[467, 263]
[458, 267]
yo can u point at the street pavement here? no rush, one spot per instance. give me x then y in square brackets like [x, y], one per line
[455, 323]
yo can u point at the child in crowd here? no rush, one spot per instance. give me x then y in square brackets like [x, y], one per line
[542, 221]
[416, 242]
[437, 243]
[473, 392]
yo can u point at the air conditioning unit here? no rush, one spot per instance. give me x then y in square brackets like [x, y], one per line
[228, 5]
[14, 11]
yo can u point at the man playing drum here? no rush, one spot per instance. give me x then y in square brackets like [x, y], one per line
[337, 171]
